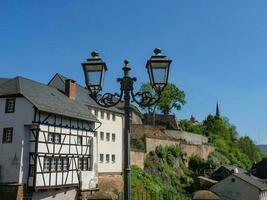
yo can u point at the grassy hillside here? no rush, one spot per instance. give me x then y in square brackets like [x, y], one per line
[164, 175]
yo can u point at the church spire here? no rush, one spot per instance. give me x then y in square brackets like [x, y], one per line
[217, 110]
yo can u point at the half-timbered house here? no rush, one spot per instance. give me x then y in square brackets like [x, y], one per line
[48, 138]
[109, 134]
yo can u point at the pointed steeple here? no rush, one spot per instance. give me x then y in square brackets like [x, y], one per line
[217, 110]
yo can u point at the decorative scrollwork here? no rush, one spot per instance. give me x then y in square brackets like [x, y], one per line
[145, 98]
[107, 99]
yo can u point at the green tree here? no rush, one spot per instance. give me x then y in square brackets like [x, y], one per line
[171, 98]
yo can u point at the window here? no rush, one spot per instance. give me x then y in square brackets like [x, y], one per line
[108, 116]
[54, 137]
[102, 114]
[113, 137]
[80, 163]
[65, 164]
[7, 135]
[101, 135]
[101, 158]
[113, 158]
[113, 117]
[50, 137]
[59, 164]
[31, 170]
[96, 112]
[83, 164]
[46, 164]
[79, 140]
[107, 158]
[107, 136]
[53, 164]
[10, 105]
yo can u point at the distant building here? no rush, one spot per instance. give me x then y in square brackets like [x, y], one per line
[224, 171]
[260, 169]
[240, 186]
[48, 139]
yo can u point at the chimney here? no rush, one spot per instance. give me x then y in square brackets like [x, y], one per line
[70, 88]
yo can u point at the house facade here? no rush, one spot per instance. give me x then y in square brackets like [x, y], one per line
[109, 132]
[48, 139]
[240, 186]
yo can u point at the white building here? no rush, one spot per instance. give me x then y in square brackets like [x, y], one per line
[240, 186]
[48, 138]
[109, 134]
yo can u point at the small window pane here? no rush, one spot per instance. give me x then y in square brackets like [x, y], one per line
[113, 137]
[107, 136]
[85, 163]
[50, 137]
[7, 135]
[59, 164]
[80, 163]
[113, 117]
[113, 158]
[56, 138]
[96, 113]
[107, 158]
[108, 116]
[65, 164]
[10, 105]
[101, 135]
[101, 158]
[46, 164]
[53, 164]
[102, 114]
[79, 140]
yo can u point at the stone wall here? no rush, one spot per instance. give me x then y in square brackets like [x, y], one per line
[152, 143]
[110, 183]
[66, 194]
[137, 158]
[192, 149]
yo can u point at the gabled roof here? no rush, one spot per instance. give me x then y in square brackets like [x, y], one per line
[252, 180]
[58, 82]
[2, 80]
[45, 98]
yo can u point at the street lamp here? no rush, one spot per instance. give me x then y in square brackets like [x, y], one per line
[158, 70]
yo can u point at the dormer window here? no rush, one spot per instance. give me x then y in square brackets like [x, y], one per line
[10, 105]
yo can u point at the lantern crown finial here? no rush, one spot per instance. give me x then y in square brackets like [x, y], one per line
[157, 51]
[94, 54]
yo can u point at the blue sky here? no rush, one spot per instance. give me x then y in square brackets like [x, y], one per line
[218, 48]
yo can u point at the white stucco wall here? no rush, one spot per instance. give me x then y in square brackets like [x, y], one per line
[109, 147]
[238, 190]
[11, 172]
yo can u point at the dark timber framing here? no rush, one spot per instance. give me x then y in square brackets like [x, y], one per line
[85, 150]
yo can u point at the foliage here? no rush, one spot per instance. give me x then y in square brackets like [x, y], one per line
[137, 143]
[188, 125]
[229, 148]
[164, 173]
[199, 165]
[171, 98]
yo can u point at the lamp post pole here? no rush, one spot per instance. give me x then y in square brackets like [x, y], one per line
[127, 86]
[158, 71]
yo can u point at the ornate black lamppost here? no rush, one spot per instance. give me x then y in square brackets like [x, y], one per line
[158, 70]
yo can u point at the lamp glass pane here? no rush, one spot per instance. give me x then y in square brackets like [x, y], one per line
[160, 75]
[94, 78]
